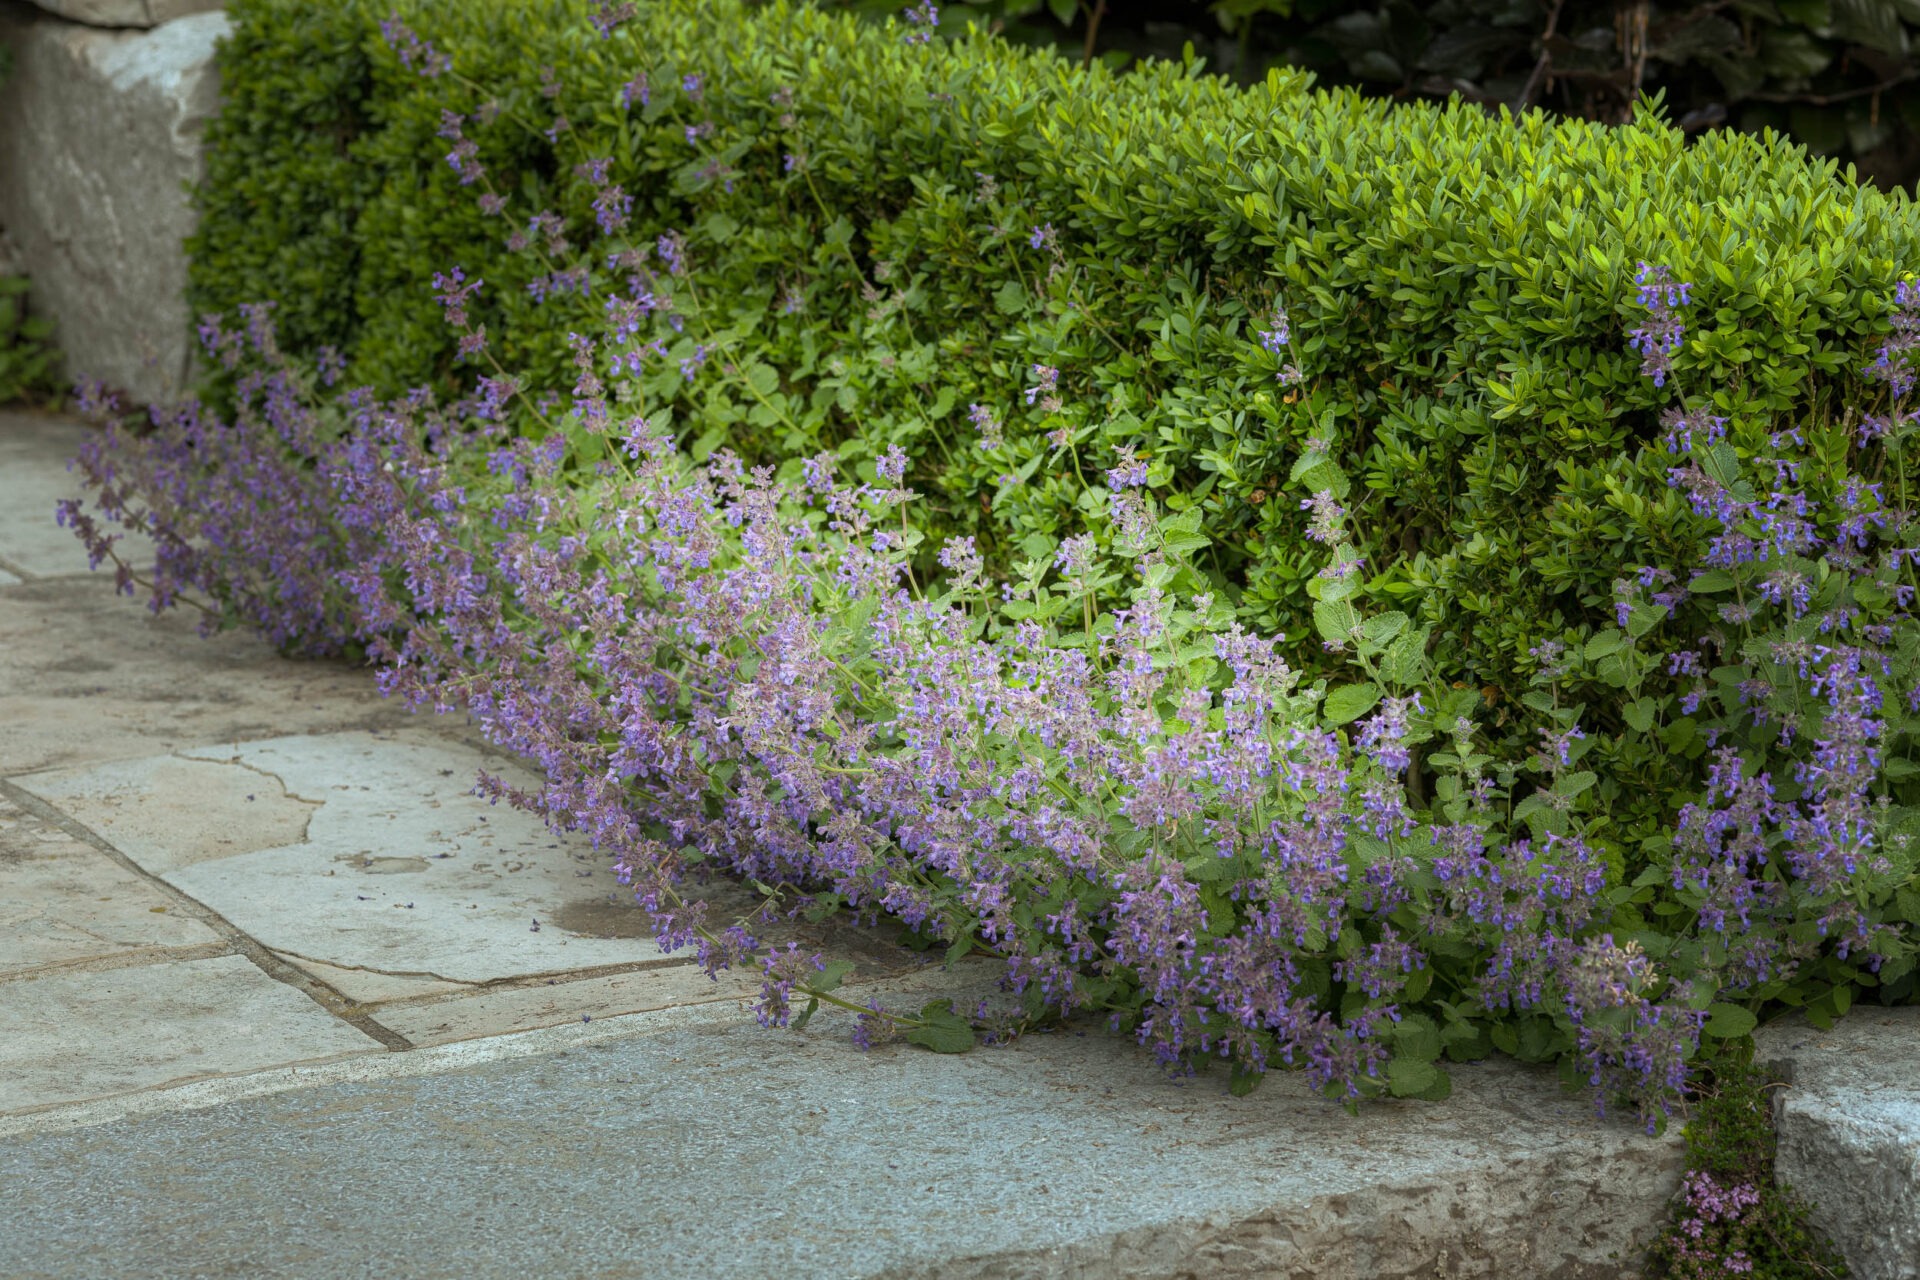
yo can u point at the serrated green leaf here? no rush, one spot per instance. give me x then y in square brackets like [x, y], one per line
[1604, 643]
[1417, 1037]
[1713, 580]
[1405, 657]
[830, 978]
[1383, 627]
[1350, 702]
[1411, 1077]
[1728, 1021]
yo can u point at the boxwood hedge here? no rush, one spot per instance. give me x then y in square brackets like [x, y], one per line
[883, 231]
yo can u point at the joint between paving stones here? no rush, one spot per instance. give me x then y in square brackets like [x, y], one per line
[129, 959]
[236, 942]
[468, 987]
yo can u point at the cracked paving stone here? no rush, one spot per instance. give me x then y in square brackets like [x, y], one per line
[386, 861]
[170, 812]
[63, 901]
[68, 1033]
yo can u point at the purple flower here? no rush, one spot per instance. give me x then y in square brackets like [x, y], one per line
[1661, 335]
[415, 54]
[992, 437]
[452, 292]
[924, 18]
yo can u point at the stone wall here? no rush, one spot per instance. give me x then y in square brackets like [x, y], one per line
[100, 133]
[126, 13]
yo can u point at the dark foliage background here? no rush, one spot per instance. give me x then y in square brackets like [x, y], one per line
[1841, 76]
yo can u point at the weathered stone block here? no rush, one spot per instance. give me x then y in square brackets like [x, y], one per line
[126, 13]
[1849, 1132]
[99, 138]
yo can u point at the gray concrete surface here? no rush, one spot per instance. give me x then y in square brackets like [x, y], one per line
[702, 1146]
[1848, 1123]
[88, 1033]
[100, 135]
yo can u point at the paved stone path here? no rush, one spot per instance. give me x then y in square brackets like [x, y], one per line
[280, 997]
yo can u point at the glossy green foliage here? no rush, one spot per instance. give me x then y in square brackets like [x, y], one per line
[1459, 285]
[29, 365]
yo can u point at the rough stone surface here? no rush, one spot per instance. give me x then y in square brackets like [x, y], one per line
[1849, 1132]
[63, 902]
[71, 1035]
[369, 989]
[87, 676]
[357, 851]
[102, 136]
[126, 13]
[34, 452]
[169, 812]
[716, 1149]
[502, 1011]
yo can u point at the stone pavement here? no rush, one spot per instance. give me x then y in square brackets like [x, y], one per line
[280, 997]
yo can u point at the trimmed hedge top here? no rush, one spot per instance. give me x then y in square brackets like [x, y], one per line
[880, 233]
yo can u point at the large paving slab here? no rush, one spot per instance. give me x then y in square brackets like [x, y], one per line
[81, 1035]
[711, 1148]
[89, 676]
[358, 851]
[35, 449]
[63, 902]
[1848, 1126]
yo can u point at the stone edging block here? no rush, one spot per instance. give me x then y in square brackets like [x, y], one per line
[100, 136]
[126, 13]
[1848, 1125]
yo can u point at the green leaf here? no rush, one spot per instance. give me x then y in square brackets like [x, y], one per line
[1350, 702]
[941, 1029]
[1305, 465]
[1604, 643]
[1711, 581]
[806, 1014]
[1384, 627]
[1243, 1080]
[1335, 620]
[1404, 659]
[1416, 1037]
[1645, 619]
[1412, 1078]
[1729, 1021]
[830, 978]
[1639, 714]
[763, 379]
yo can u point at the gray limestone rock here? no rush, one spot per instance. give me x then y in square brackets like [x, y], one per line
[1848, 1122]
[99, 137]
[126, 13]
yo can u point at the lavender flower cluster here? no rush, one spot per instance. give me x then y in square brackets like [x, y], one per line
[1146, 818]
[1139, 810]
